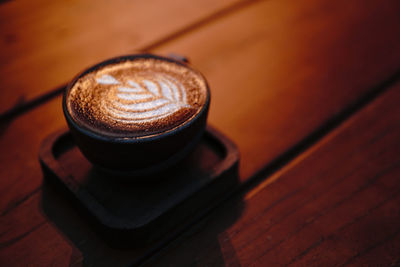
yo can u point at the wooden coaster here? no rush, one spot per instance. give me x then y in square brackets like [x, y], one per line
[127, 212]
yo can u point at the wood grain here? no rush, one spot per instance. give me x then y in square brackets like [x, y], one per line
[337, 205]
[279, 71]
[45, 43]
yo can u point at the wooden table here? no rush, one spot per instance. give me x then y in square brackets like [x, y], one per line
[309, 90]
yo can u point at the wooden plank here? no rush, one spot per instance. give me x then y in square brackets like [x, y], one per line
[385, 251]
[337, 204]
[20, 171]
[66, 239]
[280, 69]
[320, 85]
[45, 43]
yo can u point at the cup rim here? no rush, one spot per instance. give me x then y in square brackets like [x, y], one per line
[132, 139]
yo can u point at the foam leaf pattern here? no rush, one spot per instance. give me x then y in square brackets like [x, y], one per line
[144, 100]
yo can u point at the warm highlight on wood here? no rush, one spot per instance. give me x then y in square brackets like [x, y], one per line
[49, 42]
[337, 206]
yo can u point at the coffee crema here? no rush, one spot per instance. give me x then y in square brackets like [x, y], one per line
[137, 97]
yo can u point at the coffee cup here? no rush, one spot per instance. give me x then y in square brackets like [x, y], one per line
[137, 114]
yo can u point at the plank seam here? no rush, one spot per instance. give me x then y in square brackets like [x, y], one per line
[219, 14]
[332, 123]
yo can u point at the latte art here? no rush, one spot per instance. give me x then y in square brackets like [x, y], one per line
[145, 100]
[137, 98]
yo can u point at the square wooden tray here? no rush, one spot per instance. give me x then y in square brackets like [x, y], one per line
[128, 212]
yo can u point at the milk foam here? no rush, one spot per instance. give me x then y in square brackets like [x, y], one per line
[138, 97]
[143, 100]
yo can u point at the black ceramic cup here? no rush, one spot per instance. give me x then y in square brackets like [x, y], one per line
[105, 109]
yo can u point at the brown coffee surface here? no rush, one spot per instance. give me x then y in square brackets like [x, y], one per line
[137, 98]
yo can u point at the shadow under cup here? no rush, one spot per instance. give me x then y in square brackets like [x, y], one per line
[137, 155]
